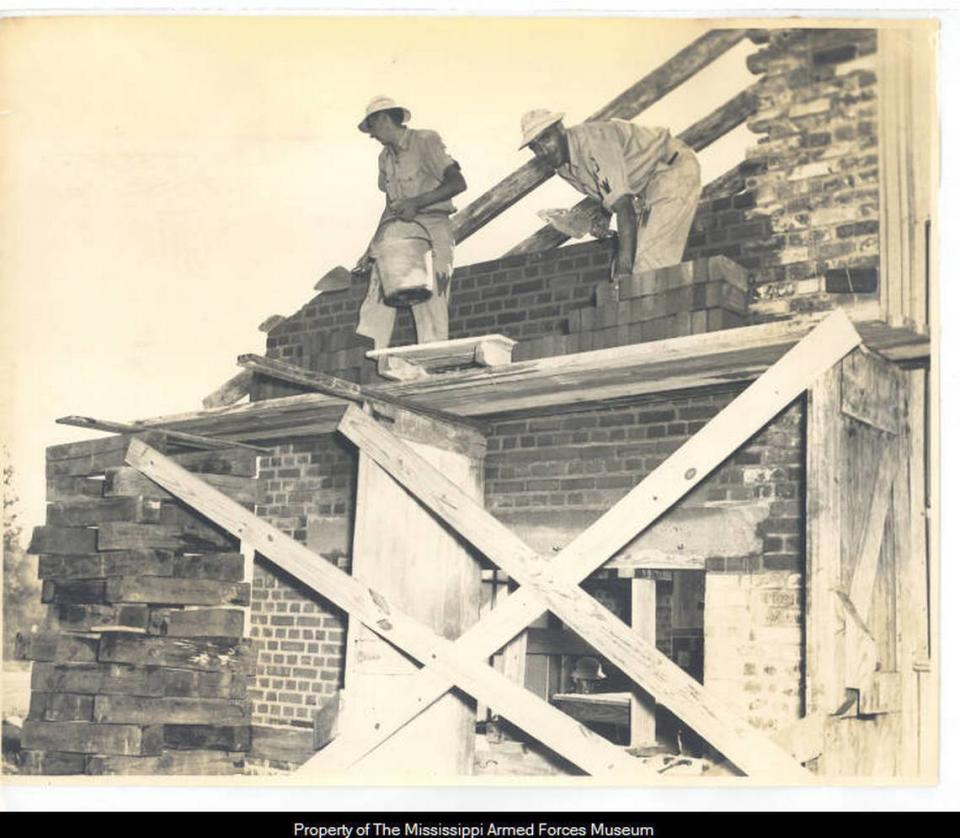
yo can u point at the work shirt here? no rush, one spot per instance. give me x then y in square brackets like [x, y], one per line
[414, 167]
[613, 158]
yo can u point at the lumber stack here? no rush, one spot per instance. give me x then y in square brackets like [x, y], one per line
[141, 666]
[702, 295]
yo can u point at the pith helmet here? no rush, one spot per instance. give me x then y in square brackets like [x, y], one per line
[377, 104]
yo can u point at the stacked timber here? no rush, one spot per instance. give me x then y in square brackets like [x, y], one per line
[142, 666]
[702, 295]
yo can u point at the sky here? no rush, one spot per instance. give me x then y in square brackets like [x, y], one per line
[167, 183]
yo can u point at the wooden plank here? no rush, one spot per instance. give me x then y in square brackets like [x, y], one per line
[609, 708]
[67, 541]
[62, 648]
[338, 388]
[231, 738]
[103, 447]
[96, 678]
[93, 512]
[222, 567]
[868, 554]
[395, 542]
[643, 505]
[803, 739]
[69, 488]
[72, 592]
[482, 350]
[86, 737]
[208, 654]
[870, 391]
[202, 622]
[702, 360]
[824, 690]
[113, 563]
[192, 536]
[593, 753]
[93, 617]
[180, 437]
[643, 621]
[128, 482]
[882, 694]
[51, 763]
[240, 462]
[194, 683]
[124, 709]
[180, 763]
[710, 716]
[166, 590]
[60, 707]
[627, 105]
[231, 391]
[698, 136]
[282, 744]
[859, 649]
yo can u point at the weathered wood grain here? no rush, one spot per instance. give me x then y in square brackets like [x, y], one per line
[203, 763]
[187, 535]
[60, 707]
[202, 622]
[86, 737]
[96, 678]
[62, 541]
[232, 738]
[93, 512]
[62, 648]
[166, 590]
[112, 563]
[91, 617]
[128, 482]
[129, 709]
[51, 763]
[209, 654]
[231, 391]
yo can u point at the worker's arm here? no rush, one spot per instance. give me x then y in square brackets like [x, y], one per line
[626, 233]
[451, 185]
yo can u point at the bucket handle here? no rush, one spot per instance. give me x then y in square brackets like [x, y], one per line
[392, 219]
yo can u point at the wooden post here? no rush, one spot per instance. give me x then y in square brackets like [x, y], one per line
[643, 620]
[426, 570]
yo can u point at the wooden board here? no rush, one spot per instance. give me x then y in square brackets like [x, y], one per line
[68, 488]
[190, 536]
[62, 648]
[426, 358]
[710, 716]
[643, 620]
[869, 392]
[222, 737]
[93, 512]
[435, 579]
[715, 358]
[643, 505]
[96, 678]
[163, 590]
[101, 565]
[231, 391]
[211, 655]
[557, 731]
[126, 481]
[86, 737]
[200, 622]
[60, 707]
[62, 541]
[204, 763]
[282, 744]
[51, 763]
[92, 459]
[123, 709]
[92, 617]
[610, 708]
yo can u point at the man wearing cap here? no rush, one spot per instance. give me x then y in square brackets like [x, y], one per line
[419, 178]
[648, 179]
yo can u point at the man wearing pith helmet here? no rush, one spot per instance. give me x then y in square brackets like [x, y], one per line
[648, 179]
[419, 178]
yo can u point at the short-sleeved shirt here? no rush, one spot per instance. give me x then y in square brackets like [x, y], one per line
[414, 167]
[613, 158]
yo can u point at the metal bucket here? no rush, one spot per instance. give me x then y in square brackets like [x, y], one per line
[402, 255]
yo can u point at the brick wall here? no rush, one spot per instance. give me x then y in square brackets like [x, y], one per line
[305, 489]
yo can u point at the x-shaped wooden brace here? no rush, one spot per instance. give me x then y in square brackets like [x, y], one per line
[553, 582]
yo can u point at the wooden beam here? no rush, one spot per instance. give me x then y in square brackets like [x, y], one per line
[868, 553]
[639, 659]
[646, 369]
[643, 620]
[338, 387]
[643, 505]
[591, 752]
[627, 105]
[231, 391]
[192, 440]
[698, 136]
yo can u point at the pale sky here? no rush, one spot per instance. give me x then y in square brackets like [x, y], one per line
[166, 183]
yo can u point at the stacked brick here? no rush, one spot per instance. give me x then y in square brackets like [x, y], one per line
[818, 190]
[142, 666]
[703, 295]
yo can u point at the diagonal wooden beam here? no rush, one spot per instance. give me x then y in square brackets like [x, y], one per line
[559, 732]
[633, 101]
[868, 552]
[698, 136]
[713, 718]
[735, 424]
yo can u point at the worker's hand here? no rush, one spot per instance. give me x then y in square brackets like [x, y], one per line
[405, 208]
[600, 226]
[364, 264]
[623, 265]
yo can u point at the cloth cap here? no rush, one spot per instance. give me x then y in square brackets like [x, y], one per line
[534, 123]
[377, 104]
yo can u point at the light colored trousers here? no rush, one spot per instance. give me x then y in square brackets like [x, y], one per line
[431, 317]
[666, 213]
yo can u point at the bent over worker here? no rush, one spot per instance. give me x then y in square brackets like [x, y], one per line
[419, 178]
[648, 179]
